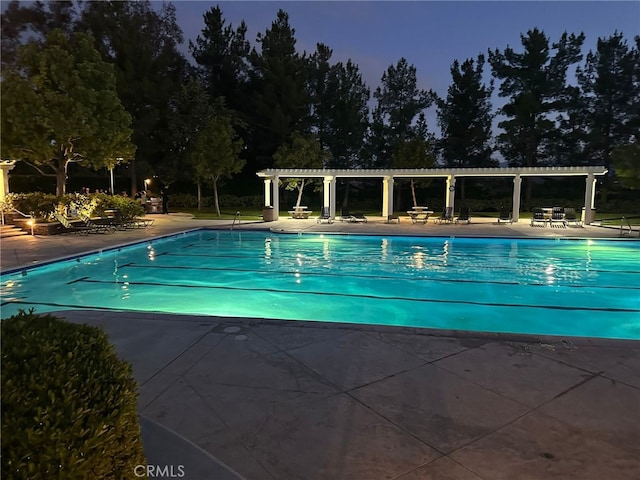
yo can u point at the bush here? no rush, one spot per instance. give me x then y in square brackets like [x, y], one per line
[68, 402]
[42, 205]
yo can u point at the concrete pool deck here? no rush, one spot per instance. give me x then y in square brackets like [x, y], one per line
[266, 399]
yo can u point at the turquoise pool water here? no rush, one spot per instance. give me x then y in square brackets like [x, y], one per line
[554, 287]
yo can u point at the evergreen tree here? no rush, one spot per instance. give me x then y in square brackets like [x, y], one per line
[465, 117]
[222, 57]
[279, 83]
[340, 111]
[399, 103]
[611, 93]
[535, 84]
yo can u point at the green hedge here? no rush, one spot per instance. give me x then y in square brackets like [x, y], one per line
[68, 402]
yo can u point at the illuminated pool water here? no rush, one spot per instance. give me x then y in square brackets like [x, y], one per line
[554, 287]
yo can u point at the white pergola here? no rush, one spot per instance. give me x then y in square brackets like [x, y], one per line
[273, 175]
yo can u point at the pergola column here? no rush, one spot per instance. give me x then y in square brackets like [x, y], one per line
[387, 196]
[267, 192]
[271, 195]
[589, 199]
[517, 184]
[5, 167]
[451, 192]
[329, 191]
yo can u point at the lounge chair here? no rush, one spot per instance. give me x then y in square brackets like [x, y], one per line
[325, 216]
[464, 216]
[571, 217]
[538, 217]
[557, 216]
[505, 216]
[447, 216]
[67, 227]
[98, 225]
[346, 216]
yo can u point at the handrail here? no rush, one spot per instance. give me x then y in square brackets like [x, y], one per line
[13, 209]
[235, 217]
[625, 232]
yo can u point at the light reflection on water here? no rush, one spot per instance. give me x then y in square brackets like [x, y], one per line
[567, 287]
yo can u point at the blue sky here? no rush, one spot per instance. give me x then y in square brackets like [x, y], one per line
[430, 34]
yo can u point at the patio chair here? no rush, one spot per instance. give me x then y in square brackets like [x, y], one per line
[505, 216]
[97, 225]
[464, 216]
[570, 216]
[447, 216]
[67, 227]
[360, 217]
[557, 217]
[346, 216]
[538, 217]
[325, 216]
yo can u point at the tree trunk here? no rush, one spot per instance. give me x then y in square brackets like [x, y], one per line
[199, 195]
[61, 179]
[413, 193]
[214, 178]
[300, 188]
[134, 178]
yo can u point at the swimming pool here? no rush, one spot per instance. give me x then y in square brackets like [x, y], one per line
[531, 286]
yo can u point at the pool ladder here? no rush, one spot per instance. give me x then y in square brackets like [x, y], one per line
[625, 230]
[235, 217]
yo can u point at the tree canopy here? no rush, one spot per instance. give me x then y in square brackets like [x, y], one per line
[60, 105]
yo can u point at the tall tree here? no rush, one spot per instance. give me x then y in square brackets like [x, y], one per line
[23, 22]
[416, 151]
[611, 95]
[191, 109]
[279, 80]
[221, 53]
[465, 117]
[60, 105]
[400, 101]
[215, 153]
[534, 82]
[301, 151]
[142, 44]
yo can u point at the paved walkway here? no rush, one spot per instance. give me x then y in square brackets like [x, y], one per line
[263, 399]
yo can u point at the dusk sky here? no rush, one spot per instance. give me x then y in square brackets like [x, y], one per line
[429, 34]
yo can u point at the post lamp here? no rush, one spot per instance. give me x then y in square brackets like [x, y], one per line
[147, 181]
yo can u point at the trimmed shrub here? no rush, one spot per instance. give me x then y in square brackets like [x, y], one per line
[42, 205]
[68, 402]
